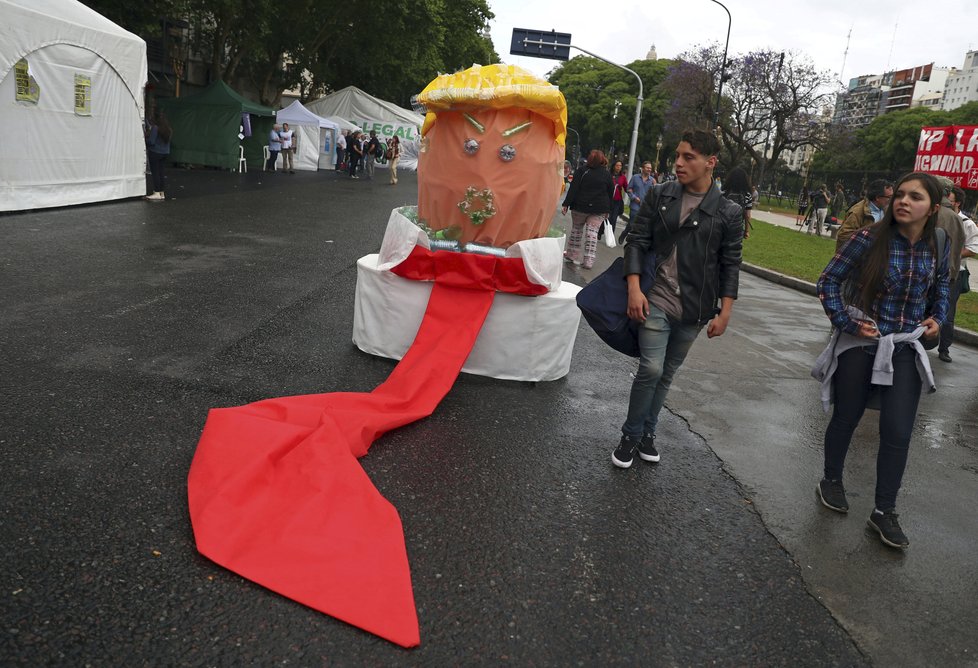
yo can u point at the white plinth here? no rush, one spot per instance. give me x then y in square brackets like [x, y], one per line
[523, 338]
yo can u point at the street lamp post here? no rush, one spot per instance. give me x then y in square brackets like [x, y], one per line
[723, 68]
[614, 136]
[658, 149]
[558, 48]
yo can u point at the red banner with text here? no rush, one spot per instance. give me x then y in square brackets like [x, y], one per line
[950, 151]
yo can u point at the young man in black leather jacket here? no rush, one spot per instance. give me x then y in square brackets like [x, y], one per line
[696, 235]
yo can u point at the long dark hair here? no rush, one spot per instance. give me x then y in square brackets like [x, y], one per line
[877, 259]
[737, 182]
[163, 129]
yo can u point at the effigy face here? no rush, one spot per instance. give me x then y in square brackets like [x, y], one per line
[491, 176]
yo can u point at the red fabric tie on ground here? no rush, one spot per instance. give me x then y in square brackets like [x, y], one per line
[275, 491]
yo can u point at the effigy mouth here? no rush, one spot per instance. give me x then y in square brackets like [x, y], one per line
[478, 205]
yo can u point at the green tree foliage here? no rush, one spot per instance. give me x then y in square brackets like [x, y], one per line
[769, 99]
[591, 87]
[391, 48]
[889, 142]
[141, 18]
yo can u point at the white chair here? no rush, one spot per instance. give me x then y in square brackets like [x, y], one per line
[266, 155]
[242, 163]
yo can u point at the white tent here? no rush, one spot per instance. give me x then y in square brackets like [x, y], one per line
[316, 137]
[372, 113]
[71, 106]
[343, 123]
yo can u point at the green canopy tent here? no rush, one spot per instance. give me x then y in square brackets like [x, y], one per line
[206, 126]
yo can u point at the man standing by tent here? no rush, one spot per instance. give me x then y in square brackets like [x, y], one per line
[288, 148]
[340, 150]
[356, 152]
[370, 154]
[274, 147]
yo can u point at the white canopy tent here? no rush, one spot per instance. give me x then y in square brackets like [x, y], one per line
[343, 123]
[372, 113]
[316, 137]
[71, 106]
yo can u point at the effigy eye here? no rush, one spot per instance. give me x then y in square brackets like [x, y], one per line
[470, 146]
[507, 152]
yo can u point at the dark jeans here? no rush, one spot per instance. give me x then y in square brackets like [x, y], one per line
[354, 161]
[632, 212]
[272, 158]
[947, 331]
[898, 411]
[663, 345]
[156, 161]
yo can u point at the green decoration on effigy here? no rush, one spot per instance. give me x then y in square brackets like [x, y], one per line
[476, 124]
[477, 215]
[517, 128]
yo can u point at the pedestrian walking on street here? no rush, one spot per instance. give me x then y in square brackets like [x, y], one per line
[899, 293]
[969, 248]
[866, 211]
[158, 135]
[393, 156]
[737, 189]
[589, 201]
[618, 199]
[638, 187]
[697, 237]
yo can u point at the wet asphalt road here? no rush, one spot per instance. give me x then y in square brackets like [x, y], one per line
[124, 323]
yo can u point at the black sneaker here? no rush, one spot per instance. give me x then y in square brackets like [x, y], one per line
[646, 449]
[624, 454]
[887, 526]
[833, 495]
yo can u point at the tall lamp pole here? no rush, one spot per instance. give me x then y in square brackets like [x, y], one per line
[558, 47]
[723, 67]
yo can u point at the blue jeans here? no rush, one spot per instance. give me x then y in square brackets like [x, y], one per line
[898, 411]
[663, 345]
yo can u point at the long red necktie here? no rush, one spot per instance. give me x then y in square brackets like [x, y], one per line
[275, 490]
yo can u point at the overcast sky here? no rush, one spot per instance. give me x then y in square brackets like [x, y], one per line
[939, 31]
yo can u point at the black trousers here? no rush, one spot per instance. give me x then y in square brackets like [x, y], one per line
[156, 161]
[947, 331]
[898, 412]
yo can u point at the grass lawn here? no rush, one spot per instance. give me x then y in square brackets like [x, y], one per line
[771, 204]
[804, 256]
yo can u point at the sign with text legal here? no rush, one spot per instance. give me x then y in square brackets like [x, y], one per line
[951, 151]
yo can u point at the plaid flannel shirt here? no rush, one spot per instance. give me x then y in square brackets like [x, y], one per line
[912, 291]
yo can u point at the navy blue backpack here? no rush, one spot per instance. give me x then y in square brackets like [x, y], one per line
[604, 302]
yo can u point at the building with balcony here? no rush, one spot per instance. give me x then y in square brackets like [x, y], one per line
[962, 86]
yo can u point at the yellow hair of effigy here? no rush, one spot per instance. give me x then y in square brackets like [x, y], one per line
[495, 87]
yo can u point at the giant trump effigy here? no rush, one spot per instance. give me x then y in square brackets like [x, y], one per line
[469, 280]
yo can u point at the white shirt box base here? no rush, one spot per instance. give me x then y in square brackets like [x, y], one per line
[523, 338]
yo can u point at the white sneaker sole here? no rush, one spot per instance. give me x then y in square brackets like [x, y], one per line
[883, 538]
[649, 458]
[620, 464]
[818, 490]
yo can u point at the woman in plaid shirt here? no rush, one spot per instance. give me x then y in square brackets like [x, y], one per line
[900, 281]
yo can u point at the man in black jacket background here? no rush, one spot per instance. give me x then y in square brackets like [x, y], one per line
[697, 236]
